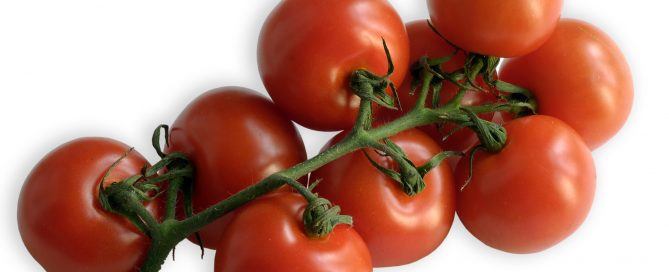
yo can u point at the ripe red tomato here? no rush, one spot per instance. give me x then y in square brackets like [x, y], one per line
[308, 49]
[496, 28]
[424, 42]
[60, 218]
[532, 194]
[397, 228]
[268, 235]
[579, 76]
[234, 137]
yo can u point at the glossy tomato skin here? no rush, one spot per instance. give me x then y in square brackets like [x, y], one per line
[424, 42]
[397, 228]
[268, 235]
[60, 219]
[579, 76]
[497, 28]
[308, 49]
[534, 193]
[235, 137]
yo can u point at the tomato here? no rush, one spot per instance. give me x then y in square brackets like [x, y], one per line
[235, 137]
[497, 28]
[308, 49]
[60, 218]
[268, 235]
[397, 228]
[532, 194]
[424, 42]
[579, 76]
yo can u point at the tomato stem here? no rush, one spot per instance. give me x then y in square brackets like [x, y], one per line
[322, 217]
[172, 192]
[364, 119]
[358, 138]
[422, 95]
[303, 190]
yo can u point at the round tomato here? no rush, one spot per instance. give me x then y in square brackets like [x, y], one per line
[234, 137]
[498, 28]
[424, 42]
[579, 76]
[308, 49]
[268, 235]
[397, 228]
[60, 218]
[532, 194]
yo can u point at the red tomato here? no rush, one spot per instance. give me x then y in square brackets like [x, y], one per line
[532, 194]
[268, 235]
[60, 218]
[498, 28]
[397, 228]
[308, 49]
[579, 76]
[424, 42]
[235, 137]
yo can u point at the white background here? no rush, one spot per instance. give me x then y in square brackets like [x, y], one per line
[119, 68]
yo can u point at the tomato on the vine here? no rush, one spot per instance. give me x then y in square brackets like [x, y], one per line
[268, 235]
[308, 49]
[425, 42]
[61, 220]
[496, 28]
[579, 76]
[397, 228]
[533, 193]
[234, 137]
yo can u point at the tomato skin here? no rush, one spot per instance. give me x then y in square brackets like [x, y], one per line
[268, 235]
[60, 218]
[497, 28]
[534, 193]
[579, 76]
[397, 228]
[234, 137]
[308, 49]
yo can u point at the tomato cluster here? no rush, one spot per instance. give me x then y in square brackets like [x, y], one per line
[564, 90]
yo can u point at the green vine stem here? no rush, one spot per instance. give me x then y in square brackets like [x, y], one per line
[123, 197]
[168, 234]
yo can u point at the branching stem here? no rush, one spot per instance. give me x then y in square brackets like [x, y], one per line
[369, 87]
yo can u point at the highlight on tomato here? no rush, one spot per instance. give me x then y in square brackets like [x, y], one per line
[497, 28]
[234, 137]
[60, 219]
[268, 235]
[534, 193]
[579, 76]
[398, 229]
[307, 51]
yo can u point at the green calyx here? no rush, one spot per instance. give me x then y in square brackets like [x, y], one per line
[321, 217]
[372, 87]
[410, 176]
[491, 135]
[124, 199]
